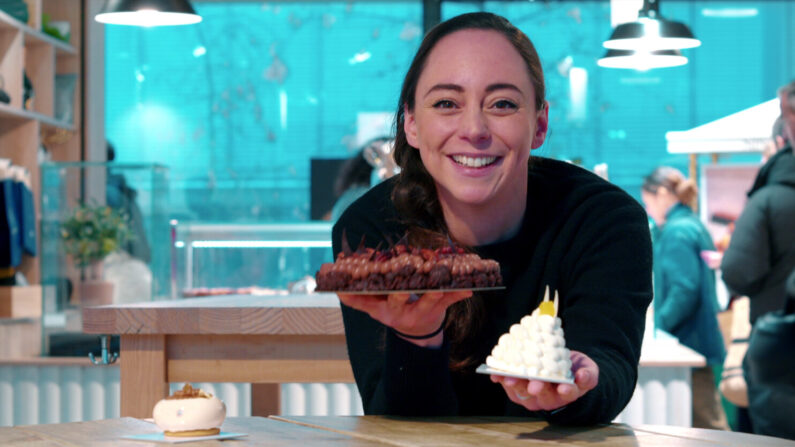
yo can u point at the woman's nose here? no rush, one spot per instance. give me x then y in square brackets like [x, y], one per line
[474, 126]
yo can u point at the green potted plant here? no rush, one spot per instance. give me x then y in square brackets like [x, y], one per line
[89, 234]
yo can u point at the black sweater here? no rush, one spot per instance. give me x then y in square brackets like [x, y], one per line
[582, 236]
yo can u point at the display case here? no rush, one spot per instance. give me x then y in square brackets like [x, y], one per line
[214, 259]
[84, 206]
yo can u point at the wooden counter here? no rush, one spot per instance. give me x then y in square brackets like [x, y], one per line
[662, 350]
[257, 339]
[379, 431]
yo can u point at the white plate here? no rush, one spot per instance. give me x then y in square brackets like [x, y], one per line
[416, 291]
[486, 369]
[160, 437]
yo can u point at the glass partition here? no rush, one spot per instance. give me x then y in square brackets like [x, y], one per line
[104, 239]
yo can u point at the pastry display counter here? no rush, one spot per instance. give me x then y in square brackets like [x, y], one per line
[217, 258]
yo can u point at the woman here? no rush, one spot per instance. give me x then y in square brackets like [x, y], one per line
[471, 109]
[685, 303]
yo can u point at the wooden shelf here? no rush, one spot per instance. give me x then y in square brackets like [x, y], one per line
[20, 338]
[26, 51]
[8, 23]
[20, 301]
[39, 38]
[13, 113]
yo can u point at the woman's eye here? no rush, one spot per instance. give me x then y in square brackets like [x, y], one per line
[444, 104]
[504, 104]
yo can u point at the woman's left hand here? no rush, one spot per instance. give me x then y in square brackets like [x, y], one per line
[538, 395]
[412, 316]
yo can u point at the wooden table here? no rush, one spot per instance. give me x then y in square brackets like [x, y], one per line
[378, 431]
[257, 339]
[108, 432]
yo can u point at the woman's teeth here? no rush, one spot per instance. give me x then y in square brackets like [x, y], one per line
[473, 162]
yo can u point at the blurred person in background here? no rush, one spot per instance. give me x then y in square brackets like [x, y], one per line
[371, 164]
[762, 249]
[685, 301]
[778, 140]
[123, 197]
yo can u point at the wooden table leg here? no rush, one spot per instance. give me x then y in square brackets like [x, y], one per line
[265, 399]
[143, 374]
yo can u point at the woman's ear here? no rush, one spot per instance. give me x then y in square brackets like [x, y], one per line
[542, 123]
[410, 126]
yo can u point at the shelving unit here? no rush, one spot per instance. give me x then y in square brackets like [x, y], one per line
[24, 48]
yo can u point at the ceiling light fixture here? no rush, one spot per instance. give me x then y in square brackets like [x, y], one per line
[148, 13]
[642, 60]
[651, 32]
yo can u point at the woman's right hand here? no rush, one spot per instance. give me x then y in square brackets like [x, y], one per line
[399, 311]
[539, 395]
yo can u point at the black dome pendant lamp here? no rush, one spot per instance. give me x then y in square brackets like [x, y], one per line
[148, 13]
[651, 32]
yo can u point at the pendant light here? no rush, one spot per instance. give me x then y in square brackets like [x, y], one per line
[651, 32]
[642, 60]
[148, 13]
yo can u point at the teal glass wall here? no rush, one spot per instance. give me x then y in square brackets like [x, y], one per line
[238, 105]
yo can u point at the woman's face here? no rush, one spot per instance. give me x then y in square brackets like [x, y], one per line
[657, 204]
[475, 121]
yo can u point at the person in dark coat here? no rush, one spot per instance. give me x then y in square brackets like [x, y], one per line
[685, 302]
[762, 250]
[123, 198]
[761, 253]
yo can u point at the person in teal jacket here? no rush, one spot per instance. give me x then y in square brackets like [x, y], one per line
[685, 302]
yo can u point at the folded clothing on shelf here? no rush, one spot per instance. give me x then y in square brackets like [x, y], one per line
[17, 9]
[17, 216]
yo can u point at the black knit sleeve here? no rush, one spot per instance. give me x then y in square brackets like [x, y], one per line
[606, 274]
[393, 376]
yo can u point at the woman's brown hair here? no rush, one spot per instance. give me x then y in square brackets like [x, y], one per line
[673, 180]
[414, 194]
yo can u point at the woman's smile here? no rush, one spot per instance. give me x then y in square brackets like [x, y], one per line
[476, 162]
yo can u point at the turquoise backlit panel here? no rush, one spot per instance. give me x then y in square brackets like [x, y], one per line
[238, 105]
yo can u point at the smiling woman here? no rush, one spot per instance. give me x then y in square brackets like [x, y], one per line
[471, 110]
